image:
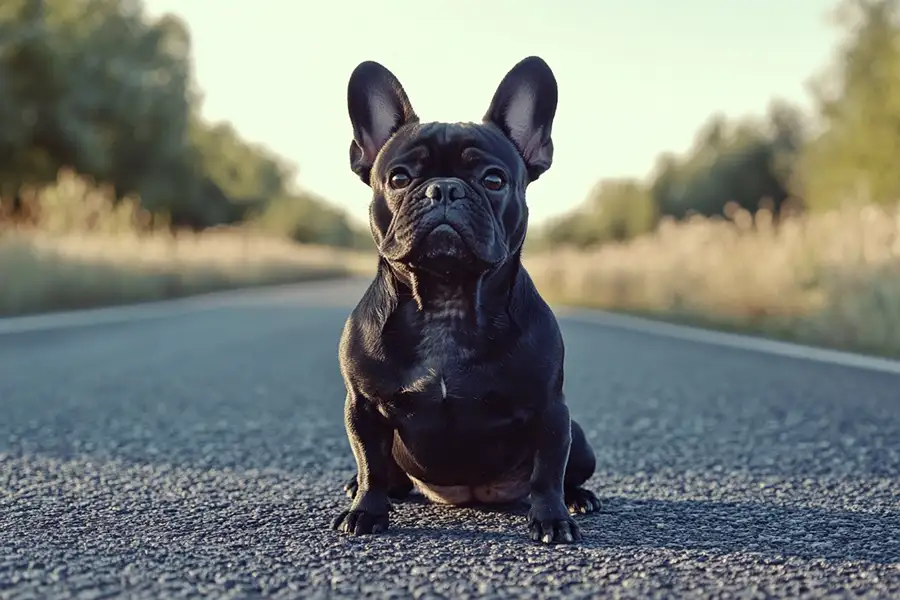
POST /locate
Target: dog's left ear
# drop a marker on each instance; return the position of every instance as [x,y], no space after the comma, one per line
[378,107]
[523,107]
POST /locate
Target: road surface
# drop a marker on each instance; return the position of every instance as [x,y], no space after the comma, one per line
[197,447]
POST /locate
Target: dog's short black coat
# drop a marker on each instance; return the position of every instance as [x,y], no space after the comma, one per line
[453,362]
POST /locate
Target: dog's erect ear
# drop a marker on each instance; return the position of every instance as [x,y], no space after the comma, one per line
[378,107]
[523,107]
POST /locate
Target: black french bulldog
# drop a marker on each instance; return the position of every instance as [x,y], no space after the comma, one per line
[453,362]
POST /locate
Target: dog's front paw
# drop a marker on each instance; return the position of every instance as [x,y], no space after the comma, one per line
[360,522]
[552,526]
[351,487]
[581,500]
[367,514]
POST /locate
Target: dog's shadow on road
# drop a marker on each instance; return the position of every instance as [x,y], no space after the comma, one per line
[769,530]
[711,528]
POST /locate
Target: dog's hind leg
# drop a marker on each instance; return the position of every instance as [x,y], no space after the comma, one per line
[579,469]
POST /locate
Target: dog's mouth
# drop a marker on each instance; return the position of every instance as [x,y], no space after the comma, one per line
[444,250]
[444,241]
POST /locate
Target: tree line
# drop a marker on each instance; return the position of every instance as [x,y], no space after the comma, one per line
[785,161]
[99,87]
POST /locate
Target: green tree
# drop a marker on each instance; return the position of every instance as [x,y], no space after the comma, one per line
[615,210]
[749,162]
[854,157]
[90,84]
[99,87]
[622,209]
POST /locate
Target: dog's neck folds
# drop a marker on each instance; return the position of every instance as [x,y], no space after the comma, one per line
[443,300]
[468,301]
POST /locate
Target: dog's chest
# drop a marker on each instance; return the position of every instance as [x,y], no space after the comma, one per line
[443,351]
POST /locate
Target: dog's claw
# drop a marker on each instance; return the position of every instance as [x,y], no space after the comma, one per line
[582,501]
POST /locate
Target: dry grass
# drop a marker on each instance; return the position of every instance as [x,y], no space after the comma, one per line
[830,280]
[41,273]
[84,253]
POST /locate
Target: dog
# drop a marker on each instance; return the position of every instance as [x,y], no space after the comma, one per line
[452,361]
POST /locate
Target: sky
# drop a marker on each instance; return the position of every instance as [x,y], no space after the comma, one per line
[635,78]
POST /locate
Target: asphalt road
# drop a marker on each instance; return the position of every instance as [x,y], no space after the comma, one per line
[198,447]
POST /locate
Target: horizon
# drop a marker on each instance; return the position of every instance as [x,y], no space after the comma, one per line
[731,60]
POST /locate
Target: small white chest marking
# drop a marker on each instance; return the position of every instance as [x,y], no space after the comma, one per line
[443,389]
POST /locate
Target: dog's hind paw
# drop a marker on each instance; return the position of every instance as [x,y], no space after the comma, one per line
[395,492]
[581,500]
[350,487]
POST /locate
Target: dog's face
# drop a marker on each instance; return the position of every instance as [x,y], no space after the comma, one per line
[449,198]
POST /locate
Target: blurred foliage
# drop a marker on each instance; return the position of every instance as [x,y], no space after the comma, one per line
[99,87]
[616,210]
[854,159]
[785,161]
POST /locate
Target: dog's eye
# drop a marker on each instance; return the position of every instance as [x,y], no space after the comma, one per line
[494,181]
[400,179]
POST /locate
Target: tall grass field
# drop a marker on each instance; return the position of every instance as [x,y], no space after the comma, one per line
[831,279]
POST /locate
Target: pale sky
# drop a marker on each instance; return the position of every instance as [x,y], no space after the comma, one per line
[635,78]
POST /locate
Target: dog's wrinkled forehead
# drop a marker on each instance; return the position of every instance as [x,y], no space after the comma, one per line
[443,149]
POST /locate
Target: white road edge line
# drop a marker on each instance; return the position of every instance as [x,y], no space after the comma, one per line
[299,291]
[158,309]
[730,340]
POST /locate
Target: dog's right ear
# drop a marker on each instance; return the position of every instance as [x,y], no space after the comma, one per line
[378,107]
[524,107]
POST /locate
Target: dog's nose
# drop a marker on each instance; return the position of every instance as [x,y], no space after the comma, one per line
[445,190]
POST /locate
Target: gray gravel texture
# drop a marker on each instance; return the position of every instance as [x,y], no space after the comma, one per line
[203,452]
